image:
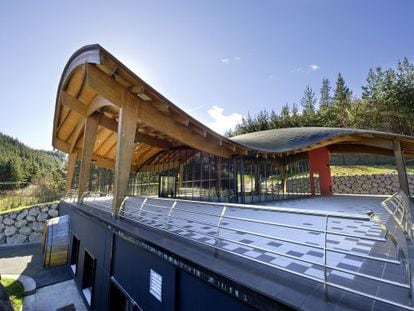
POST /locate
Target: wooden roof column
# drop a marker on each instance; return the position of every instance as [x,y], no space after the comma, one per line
[402,171]
[71,170]
[89,137]
[127,127]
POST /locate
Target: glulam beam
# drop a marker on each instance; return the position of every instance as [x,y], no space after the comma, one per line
[127,127]
[402,171]
[107,87]
[71,170]
[108,123]
[89,137]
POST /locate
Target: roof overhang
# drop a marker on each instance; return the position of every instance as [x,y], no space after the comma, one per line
[289,141]
[94,82]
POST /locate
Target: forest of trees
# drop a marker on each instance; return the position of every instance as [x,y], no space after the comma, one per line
[22,164]
[386,104]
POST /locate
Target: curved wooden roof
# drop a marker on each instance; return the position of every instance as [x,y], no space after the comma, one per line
[94,83]
[300,139]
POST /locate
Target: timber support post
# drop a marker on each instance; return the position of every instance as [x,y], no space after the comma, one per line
[283,177]
[127,127]
[71,170]
[401,169]
[180,177]
[218,177]
[89,137]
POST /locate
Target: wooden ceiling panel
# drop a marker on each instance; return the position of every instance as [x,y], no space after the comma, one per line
[76,81]
[67,128]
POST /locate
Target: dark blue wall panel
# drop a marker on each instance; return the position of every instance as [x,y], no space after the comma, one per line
[131,268]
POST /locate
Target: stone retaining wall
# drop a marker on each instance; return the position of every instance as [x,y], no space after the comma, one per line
[369,184]
[382,184]
[25,225]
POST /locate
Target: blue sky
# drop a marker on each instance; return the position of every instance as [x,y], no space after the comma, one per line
[217,60]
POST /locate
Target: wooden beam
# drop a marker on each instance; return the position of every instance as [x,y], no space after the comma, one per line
[127,127]
[159,167]
[376,142]
[107,163]
[71,170]
[110,124]
[98,103]
[61,145]
[89,137]
[402,171]
[152,141]
[353,148]
[104,85]
[113,91]
[76,134]
[74,104]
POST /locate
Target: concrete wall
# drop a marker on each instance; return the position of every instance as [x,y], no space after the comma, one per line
[25,225]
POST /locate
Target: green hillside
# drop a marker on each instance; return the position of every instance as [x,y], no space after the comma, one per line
[22,164]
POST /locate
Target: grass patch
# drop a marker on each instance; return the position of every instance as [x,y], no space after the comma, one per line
[15,290]
[347,170]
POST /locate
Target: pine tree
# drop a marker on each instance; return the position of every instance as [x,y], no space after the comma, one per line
[262,121]
[342,92]
[342,102]
[325,99]
[308,101]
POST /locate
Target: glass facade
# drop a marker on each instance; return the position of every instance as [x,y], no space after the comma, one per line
[204,177]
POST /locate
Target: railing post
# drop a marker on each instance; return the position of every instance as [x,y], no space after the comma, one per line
[142,206]
[325,272]
[121,208]
[82,197]
[408,279]
[223,211]
[170,212]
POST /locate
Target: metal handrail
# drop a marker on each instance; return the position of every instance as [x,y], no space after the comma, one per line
[401,203]
[310,212]
[71,194]
[217,237]
[165,225]
[282,239]
[276,224]
[92,195]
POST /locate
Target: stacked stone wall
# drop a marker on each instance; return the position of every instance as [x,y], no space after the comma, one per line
[25,225]
[383,184]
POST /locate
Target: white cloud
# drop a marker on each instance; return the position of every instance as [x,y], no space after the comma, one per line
[313,67]
[221,121]
[230,60]
[307,69]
